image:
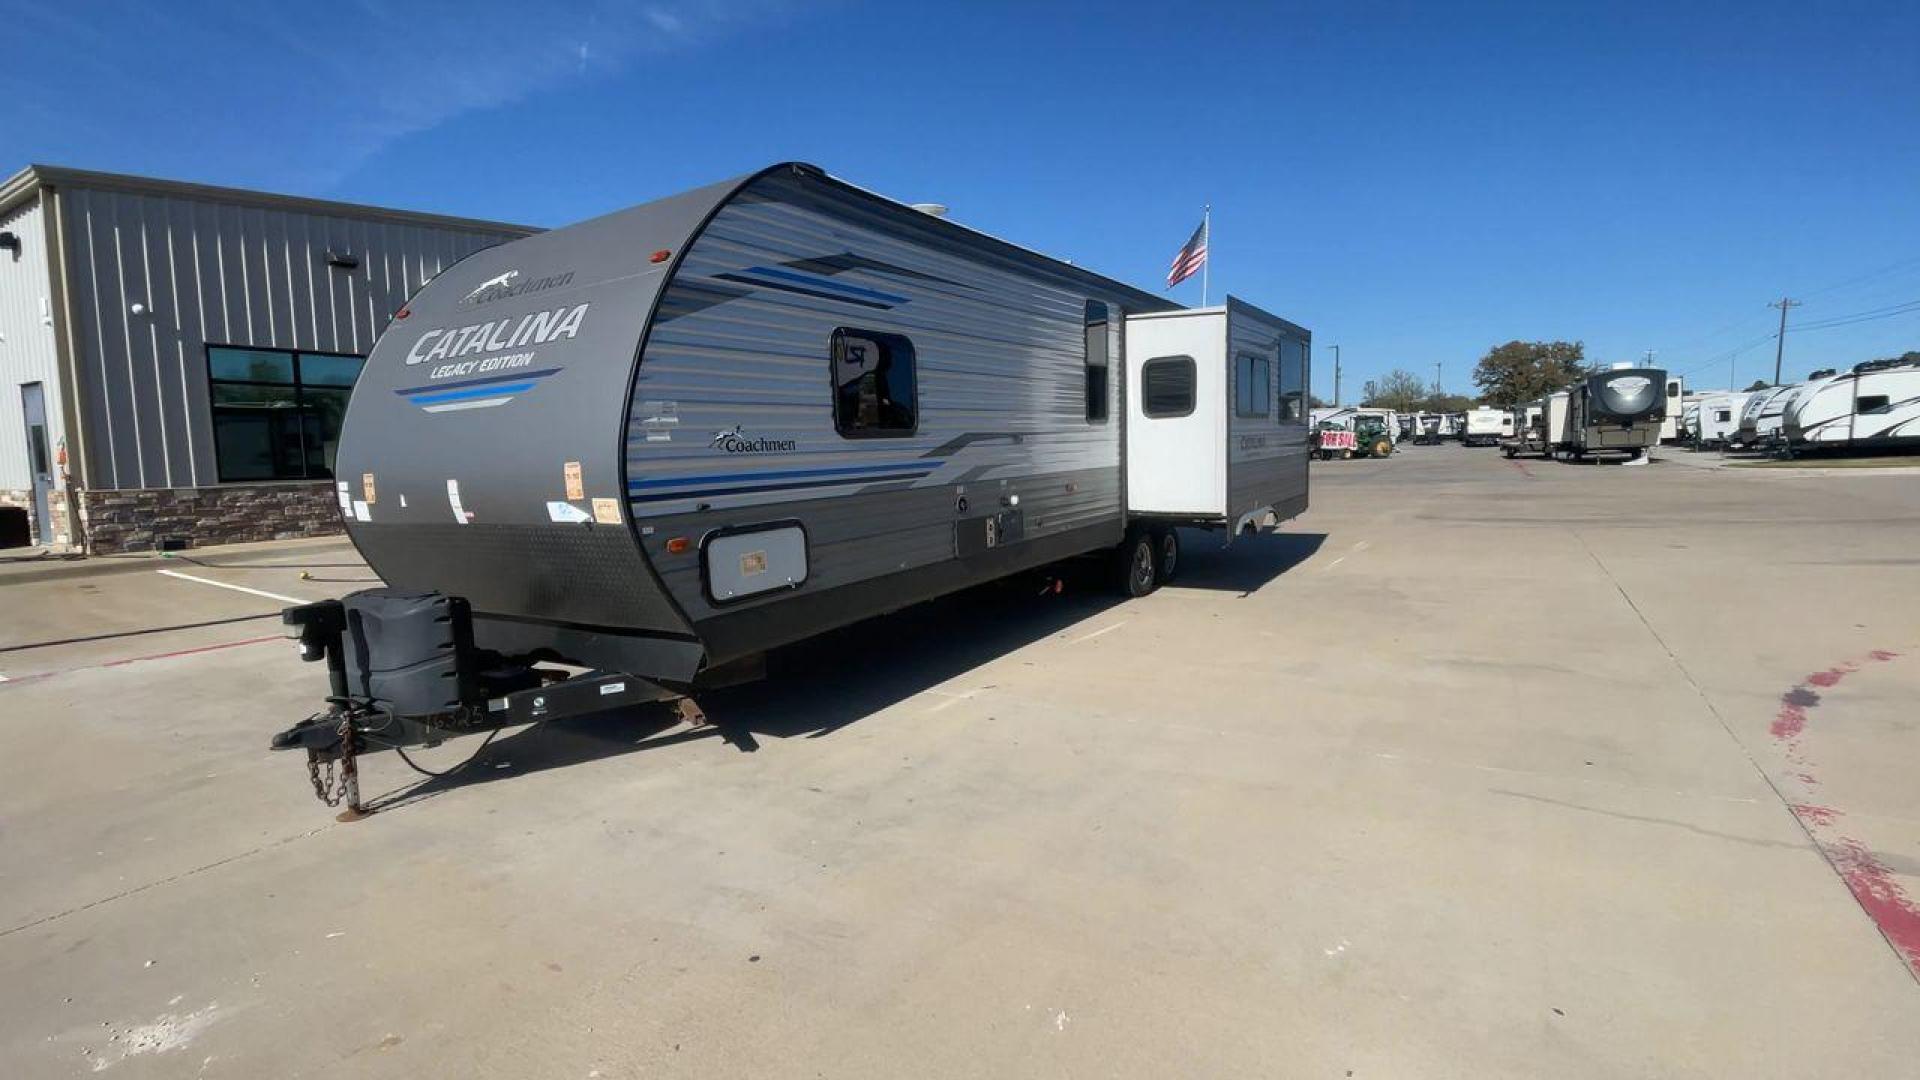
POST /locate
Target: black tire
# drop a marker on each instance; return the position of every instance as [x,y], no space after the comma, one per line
[1137,564]
[1508,451]
[1166,557]
[1382,447]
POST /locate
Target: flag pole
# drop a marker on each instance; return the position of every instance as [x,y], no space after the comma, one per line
[1206,264]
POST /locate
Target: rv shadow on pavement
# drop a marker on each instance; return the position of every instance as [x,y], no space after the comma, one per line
[807,691]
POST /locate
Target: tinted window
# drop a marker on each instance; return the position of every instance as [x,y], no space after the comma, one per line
[1166,386]
[873,384]
[1293,381]
[1872,403]
[1252,386]
[276,414]
[1096,361]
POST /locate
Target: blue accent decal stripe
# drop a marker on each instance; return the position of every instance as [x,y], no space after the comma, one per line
[774,474]
[825,283]
[704,493]
[517,376]
[478,391]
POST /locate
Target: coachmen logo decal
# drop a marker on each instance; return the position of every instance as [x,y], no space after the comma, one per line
[734,442]
[509,284]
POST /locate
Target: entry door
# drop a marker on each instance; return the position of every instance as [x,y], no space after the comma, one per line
[33,402]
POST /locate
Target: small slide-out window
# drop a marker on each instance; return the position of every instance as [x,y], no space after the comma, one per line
[1252,386]
[1096,361]
[1166,387]
[1293,381]
[1872,403]
[1723,416]
[874,389]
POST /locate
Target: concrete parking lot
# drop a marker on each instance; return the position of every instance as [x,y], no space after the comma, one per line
[1479,769]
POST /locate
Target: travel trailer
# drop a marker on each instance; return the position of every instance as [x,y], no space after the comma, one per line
[1718,420]
[1877,404]
[1762,416]
[1617,411]
[654,445]
[1486,427]
[1542,427]
[1676,396]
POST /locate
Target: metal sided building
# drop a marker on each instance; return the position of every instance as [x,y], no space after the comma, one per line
[175,358]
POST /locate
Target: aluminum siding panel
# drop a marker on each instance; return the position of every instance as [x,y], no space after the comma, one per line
[27,352]
[1266,458]
[999,356]
[213,272]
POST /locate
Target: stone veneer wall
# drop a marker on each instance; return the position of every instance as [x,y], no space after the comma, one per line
[135,519]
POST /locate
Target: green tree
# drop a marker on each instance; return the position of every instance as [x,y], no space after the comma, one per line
[1401,391]
[1446,403]
[1523,370]
[1758,384]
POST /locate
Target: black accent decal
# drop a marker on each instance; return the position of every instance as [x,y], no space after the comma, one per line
[958,443]
[691,297]
[829,265]
[806,292]
[702,493]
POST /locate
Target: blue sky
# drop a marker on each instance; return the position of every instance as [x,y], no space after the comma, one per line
[1415,182]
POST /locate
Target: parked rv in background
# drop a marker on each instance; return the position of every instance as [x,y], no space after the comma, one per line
[1486,427]
[1875,405]
[1717,423]
[1760,420]
[1618,411]
[1676,395]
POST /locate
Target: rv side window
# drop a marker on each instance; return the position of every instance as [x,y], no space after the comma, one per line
[1723,416]
[1293,381]
[873,384]
[1673,389]
[1166,387]
[1872,403]
[1096,362]
[1252,386]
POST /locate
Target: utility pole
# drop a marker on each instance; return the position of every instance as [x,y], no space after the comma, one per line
[1649,357]
[1436,378]
[1780,343]
[1336,375]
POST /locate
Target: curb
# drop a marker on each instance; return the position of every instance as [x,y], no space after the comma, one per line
[57,569]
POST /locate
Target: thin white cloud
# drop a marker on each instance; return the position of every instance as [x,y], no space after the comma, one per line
[309,94]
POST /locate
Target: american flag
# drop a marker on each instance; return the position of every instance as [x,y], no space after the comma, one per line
[1191,258]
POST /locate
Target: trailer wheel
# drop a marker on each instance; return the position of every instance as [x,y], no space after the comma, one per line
[1135,561]
[1508,451]
[1167,545]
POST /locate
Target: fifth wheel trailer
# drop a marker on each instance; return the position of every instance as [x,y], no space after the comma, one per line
[668,439]
[1617,411]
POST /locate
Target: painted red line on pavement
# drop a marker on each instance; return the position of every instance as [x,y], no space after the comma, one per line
[1881,895]
[189,652]
[1522,466]
[122,662]
[1874,887]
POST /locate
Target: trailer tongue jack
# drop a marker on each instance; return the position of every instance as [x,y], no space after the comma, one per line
[402,670]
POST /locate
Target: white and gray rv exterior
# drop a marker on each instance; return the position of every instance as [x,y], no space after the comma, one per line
[688,432]
[1877,404]
[1761,418]
[1617,411]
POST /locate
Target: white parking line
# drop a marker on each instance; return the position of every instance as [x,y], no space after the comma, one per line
[235,588]
[1097,633]
[1335,563]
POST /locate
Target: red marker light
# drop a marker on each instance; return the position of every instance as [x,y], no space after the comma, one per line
[402,313]
[660,256]
[678,544]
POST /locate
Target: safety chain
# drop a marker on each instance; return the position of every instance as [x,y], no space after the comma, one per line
[332,790]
